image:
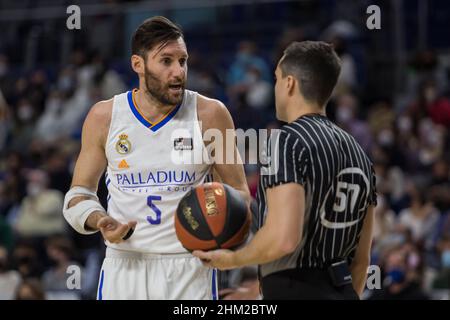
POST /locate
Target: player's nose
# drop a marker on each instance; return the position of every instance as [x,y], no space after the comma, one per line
[178,72]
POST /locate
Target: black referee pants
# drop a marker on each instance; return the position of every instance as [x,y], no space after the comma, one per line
[304,284]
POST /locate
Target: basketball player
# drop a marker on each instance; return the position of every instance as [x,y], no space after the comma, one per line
[316,211]
[134,136]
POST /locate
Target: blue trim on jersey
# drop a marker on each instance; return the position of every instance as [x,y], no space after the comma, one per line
[135,111]
[214,289]
[100,289]
[108,182]
[144,121]
[166,119]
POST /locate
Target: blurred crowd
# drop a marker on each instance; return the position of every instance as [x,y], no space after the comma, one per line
[406,136]
[40,121]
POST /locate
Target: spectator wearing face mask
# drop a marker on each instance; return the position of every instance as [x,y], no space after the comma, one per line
[259,92]
[9,279]
[248,77]
[347,118]
[246,57]
[40,211]
[22,132]
[384,226]
[421,217]
[401,267]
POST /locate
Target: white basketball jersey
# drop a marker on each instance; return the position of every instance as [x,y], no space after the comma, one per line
[146,177]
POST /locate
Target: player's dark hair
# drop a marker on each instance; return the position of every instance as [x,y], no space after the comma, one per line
[152,32]
[316,67]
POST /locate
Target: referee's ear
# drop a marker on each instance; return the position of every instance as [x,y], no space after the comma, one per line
[291,84]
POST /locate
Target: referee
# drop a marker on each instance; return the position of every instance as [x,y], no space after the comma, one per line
[316,203]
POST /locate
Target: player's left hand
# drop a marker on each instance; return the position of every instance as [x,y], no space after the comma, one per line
[221,259]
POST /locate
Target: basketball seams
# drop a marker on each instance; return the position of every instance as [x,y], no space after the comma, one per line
[230,224]
[212,216]
[239,236]
[203,233]
[191,242]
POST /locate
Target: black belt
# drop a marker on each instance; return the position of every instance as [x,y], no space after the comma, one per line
[337,271]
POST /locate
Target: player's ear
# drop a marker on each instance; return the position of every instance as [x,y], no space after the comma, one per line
[138,64]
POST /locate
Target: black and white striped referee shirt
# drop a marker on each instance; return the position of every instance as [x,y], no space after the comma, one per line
[339,184]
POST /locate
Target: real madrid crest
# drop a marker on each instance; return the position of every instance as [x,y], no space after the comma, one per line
[123,146]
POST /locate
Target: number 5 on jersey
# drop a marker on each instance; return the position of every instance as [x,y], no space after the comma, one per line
[155,209]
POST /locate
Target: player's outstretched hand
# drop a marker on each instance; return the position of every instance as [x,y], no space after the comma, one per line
[114,231]
[221,259]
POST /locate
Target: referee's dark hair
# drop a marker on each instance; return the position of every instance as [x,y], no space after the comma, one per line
[316,67]
[152,32]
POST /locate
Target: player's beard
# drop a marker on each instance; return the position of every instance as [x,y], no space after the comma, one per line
[160,91]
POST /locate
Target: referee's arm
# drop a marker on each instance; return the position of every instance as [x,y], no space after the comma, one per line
[279,236]
[361,260]
[282,230]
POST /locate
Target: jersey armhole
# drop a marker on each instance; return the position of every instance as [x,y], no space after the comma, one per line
[199,130]
[113,115]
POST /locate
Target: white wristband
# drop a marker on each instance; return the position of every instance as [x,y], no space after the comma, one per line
[77,215]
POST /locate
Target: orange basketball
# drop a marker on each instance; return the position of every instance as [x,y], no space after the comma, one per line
[212,216]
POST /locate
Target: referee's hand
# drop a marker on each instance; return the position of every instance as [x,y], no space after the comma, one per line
[221,259]
[114,231]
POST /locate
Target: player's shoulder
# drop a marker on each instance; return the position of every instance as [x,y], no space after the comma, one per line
[100,114]
[102,110]
[210,107]
[98,119]
[212,112]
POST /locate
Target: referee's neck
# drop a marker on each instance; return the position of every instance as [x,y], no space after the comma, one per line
[301,108]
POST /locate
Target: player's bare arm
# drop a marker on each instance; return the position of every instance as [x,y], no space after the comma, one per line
[279,236]
[361,260]
[90,165]
[91,162]
[214,115]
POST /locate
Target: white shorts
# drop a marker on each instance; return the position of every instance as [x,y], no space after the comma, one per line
[127,275]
